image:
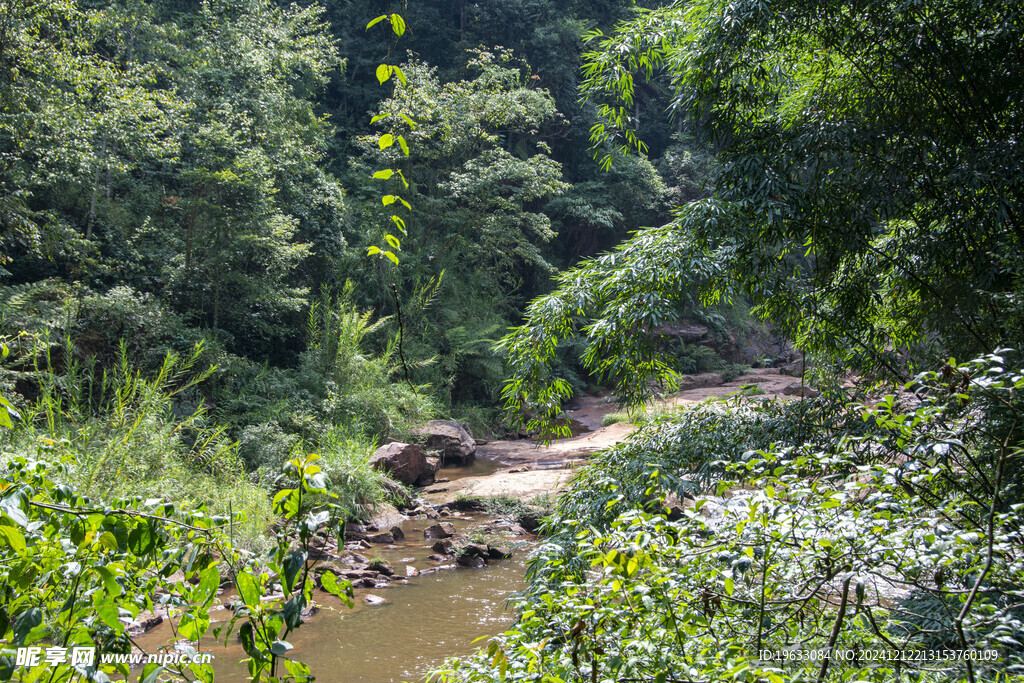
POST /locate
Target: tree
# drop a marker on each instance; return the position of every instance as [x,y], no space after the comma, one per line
[77,105]
[868,186]
[479,174]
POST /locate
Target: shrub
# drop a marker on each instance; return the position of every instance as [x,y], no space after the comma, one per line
[912,499]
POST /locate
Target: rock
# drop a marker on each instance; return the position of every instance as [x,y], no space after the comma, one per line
[403,461]
[700,381]
[411,570]
[794,369]
[385,516]
[471,561]
[798,389]
[686,332]
[713,512]
[321,554]
[530,519]
[435,558]
[441,530]
[357,574]
[398,493]
[382,567]
[443,547]
[384,537]
[498,552]
[469,504]
[430,468]
[479,549]
[397,533]
[374,600]
[145,622]
[452,439]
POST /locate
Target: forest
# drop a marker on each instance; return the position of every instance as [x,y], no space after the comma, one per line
[247,244]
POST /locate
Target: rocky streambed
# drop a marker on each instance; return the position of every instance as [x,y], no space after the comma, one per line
[433,578]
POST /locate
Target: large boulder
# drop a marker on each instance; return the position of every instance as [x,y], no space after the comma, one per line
[456,445]
[403,461]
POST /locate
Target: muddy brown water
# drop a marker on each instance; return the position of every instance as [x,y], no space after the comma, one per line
[430,618]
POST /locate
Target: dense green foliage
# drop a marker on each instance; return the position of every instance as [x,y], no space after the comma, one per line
[77,571]
[867,201]
[837,533]
[867,190]
[236,233]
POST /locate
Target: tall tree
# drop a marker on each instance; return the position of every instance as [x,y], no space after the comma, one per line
[868,195]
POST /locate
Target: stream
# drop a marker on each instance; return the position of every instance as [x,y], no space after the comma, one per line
[433,610]
[427,618]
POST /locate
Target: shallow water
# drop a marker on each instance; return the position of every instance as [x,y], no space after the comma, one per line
[480,467]
[430,618]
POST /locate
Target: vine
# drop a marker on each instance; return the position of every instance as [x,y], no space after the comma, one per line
[386,72]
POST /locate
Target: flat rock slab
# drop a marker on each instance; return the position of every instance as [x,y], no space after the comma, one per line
[524,485]
[527,452]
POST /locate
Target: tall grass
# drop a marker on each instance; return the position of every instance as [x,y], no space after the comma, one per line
[123,434]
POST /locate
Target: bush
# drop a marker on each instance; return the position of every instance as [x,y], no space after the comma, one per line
[890,527]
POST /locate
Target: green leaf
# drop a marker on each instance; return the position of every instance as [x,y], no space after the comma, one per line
[400,75]
[397,220]
[391,255]
[209,581]
[375,21]
[386,141]
[370,251]
[203,672]
[109,581]
[403,144]
[25,622]
[108,614]
[151,673]
[297,669]
[247,638]
[286,503]
[248,589]
[141,540]
[384,175]
[393,241]
[292,610]
[280,647]
[729,586]
[108,541]
[398,24]
[12,537]
[193,625]
[342,589]
[383,73]
[292,566]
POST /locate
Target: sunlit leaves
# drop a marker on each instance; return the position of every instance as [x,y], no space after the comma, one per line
[395,20]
